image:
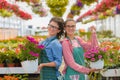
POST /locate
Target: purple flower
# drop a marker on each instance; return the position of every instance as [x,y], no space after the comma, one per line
[118,9]
[79,4]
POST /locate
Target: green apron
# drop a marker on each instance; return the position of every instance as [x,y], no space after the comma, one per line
[46,73]
[78,55]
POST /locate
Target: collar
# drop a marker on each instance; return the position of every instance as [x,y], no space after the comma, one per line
[51,38]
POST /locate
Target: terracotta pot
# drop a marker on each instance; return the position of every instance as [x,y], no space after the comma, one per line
[10,64]
[17,65]
[1,65]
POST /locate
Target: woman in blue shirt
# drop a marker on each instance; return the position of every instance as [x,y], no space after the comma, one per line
[51,56]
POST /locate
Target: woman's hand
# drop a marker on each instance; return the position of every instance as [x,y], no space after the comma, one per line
[39,68]
[94,70]
[92,29]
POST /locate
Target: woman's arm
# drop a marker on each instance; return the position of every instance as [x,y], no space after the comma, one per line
[50,64]
[93,41]
[55,56]
[69,60]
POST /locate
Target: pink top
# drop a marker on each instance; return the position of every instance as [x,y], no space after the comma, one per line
[67,53]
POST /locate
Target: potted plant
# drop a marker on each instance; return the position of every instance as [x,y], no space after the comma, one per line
[10,58]
[95,56]
[2,59]
[29,52]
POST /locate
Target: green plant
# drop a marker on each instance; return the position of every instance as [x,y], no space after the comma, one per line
[2,57]
[57,7]
[105,33]
[30,49]
[113,58]
[95,54]
[88,2]
[10,56]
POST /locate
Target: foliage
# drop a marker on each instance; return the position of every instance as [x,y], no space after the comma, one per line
[10,56]
[57,7]
[8,8]
[105,33]
[5,13]
[2,57]
[30,1]
[30,49]
[56,3]
[9,78]
[85,34]
[113,57]
[14,77]
[39,9]
[58,11]
[75,10]
[95,54]
[95,76]
[113,52]
[87,2]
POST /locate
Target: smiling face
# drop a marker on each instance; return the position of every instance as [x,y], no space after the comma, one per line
[53,28]
[70,27]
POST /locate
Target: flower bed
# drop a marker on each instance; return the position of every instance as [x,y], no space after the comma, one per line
[10,51]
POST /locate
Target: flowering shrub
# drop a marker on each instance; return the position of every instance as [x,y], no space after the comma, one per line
[95,54]
[15,77]
[9,78]
[113,51]
[11,8]
[30,49]
[40,10]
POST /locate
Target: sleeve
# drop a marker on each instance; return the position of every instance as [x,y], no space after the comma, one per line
[57,53]
[91,44]
[69,60]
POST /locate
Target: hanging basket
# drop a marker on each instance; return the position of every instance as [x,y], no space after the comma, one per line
[98,64]
[30,65]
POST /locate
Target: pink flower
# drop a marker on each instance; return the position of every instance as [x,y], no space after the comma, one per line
[40,46]
[95,54]
[92,55]
[111,60]
[92,59]
[34,54]
[99,56]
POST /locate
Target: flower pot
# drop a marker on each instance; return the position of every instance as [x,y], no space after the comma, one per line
[1,65]
[10,64]
[98,64]
[30,65]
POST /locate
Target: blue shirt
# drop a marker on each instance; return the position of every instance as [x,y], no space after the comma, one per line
[53,50]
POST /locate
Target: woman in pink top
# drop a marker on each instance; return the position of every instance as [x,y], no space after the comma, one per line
[73,52]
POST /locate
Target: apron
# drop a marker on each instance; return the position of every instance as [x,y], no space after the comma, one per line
[78,55]
[46,73]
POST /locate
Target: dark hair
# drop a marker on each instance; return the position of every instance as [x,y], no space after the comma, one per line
[68,19]
[60,23]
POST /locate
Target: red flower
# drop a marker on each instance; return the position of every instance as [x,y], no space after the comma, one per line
[14,7]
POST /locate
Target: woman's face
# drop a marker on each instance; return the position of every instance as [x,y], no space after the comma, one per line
[70,27]
[53,28]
